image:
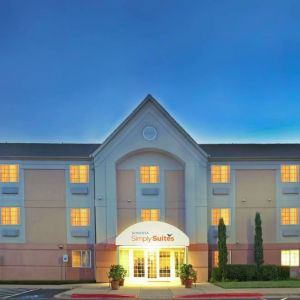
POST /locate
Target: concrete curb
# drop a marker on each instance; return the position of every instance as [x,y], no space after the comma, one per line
[220,295]
[191,296]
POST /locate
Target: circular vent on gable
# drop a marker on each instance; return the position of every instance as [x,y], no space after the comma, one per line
[149,133]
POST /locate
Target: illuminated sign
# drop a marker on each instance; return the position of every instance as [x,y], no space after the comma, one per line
[152,233]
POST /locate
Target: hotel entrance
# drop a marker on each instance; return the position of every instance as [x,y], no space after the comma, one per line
[152,251]
[152,264]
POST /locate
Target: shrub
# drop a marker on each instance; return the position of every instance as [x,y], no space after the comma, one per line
[241,272]
[250,273]
[283,272]
[216,275]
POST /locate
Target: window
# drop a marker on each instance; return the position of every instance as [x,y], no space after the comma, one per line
[10,216]
[220,174]
[150,215]
[290,258]
[289,173]
[289,216]
[79,174]
[124,260]
[218,213]
[80,216]
[81,259]
[9,173]
[149,174]
[215,258]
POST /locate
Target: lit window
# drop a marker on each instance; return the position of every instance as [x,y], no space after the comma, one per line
[79,174]
[10,216]
[290,258]
[220,174]
[289,173]
[80,216]
[149,174]
[81,259]
[9,173]
[289,216]
[218,213]
[150,214]
[215,258]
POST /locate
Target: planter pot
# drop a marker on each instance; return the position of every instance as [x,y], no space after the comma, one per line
[188,283]
[182,281]
[121,282]
[114,284]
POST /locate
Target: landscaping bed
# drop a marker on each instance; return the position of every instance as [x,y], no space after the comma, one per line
[292,283]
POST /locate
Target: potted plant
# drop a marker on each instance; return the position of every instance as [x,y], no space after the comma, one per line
[188,275]
[123,274]
[181,273]
[114,276]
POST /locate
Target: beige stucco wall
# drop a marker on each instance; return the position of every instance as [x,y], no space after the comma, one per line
[255,192]
[45,206]
[174,195]
[40,262]
[126,191]
[105,257]
[198,257]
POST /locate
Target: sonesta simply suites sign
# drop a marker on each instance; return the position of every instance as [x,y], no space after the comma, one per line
[152,233]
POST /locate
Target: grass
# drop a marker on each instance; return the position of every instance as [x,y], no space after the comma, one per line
[294,283]
[45,282]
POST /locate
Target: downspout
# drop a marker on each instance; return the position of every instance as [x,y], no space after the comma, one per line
[95,235]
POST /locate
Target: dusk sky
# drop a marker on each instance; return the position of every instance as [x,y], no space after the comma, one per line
[228,71]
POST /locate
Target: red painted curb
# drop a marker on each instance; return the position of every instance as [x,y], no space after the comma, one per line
[94,296]
[228,295]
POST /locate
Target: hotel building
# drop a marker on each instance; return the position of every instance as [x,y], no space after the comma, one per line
[149,198]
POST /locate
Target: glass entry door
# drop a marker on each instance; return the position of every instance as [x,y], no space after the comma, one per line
[138,263]
[152,264]
[164,263]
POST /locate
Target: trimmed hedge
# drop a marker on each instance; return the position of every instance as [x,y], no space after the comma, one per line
[251,273]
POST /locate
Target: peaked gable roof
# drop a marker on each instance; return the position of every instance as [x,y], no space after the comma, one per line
[149,99]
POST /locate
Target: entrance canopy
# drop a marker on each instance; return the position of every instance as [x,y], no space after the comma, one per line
[152,234]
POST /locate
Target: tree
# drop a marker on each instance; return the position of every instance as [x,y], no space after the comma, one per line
[222,248]
[258,242]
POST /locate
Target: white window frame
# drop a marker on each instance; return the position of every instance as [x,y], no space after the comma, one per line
[90,260]
[289,253]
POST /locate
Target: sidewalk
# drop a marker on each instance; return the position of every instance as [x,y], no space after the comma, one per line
[164,292]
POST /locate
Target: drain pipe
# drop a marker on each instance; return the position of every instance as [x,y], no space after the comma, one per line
[95,226]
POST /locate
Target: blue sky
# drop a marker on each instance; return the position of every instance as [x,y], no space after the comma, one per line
[228,71]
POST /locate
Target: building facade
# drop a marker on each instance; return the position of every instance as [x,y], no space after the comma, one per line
[149,198]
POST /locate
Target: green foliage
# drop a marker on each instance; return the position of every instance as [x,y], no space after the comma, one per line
[222,248]
[258,243]
[249,273]
[116,272]
[290,283]
[242,272]
[186,271]
[215,275]
[284,272]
